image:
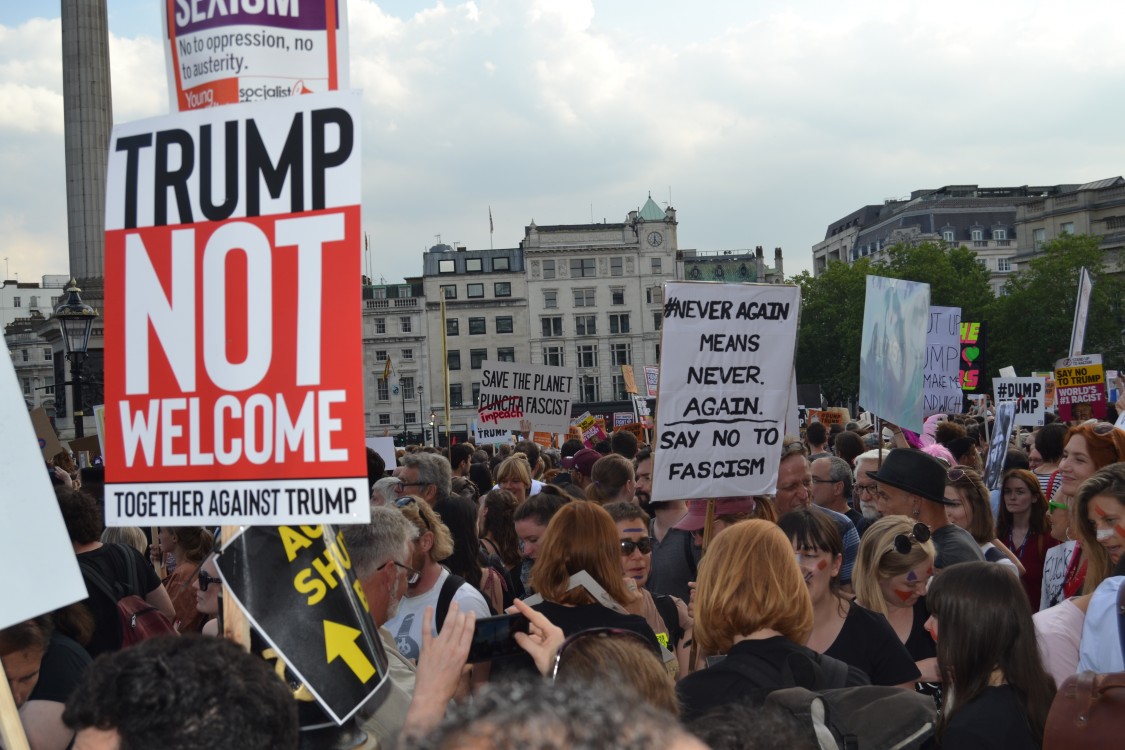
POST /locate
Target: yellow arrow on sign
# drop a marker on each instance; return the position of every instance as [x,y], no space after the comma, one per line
[340,641]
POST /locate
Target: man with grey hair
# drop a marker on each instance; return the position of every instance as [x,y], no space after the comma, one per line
[425,475]
[383,491]
[863,491]
[379,552]
[832,488]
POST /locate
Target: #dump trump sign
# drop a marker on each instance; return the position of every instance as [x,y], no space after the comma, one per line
[233,373]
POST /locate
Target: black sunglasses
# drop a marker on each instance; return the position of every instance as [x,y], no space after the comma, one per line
[402,502]
[599,633]
[644,545]
[1104,428]
[903,542]
[206,580]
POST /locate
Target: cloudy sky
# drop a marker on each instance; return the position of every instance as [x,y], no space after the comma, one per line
[763,120]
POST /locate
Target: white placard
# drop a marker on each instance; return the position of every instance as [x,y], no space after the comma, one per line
[726,380]
[385,447]
[490,435]
[941,376]
[1028,394]
[524,397]
[43,572]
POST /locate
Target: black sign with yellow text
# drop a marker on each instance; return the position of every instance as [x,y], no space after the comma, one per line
[297,587]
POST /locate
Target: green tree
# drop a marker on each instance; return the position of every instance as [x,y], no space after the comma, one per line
[831,327]
[1031,321]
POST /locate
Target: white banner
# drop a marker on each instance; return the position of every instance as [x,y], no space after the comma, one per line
[726,375]
[941,376]
[1029,396]
[490,435]
[254,50]
[1081,311]
[525,397]
[892,354]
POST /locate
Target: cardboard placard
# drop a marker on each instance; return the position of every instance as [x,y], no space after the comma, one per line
[45,436]
[1028,394]
[1080,388]
[513,394]
[942,372]
[726,379]
[998,443]
[893,353]
[233,357]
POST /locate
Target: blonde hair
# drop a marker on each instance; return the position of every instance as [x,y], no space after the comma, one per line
[748,581]
[130,536]
[425,519]
[616,660]
[580,536]
[878,560]
[515,467]
[608,476]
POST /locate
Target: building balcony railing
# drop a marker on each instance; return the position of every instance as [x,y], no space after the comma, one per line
[398,303]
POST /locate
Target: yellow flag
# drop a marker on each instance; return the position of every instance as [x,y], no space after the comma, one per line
[387,369]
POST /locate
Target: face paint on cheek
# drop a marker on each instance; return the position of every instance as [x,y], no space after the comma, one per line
[1098,509]
[1119,529]
[822,565]
[911,578]
[904,595]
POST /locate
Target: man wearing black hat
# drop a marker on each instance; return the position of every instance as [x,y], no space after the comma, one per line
[912,483]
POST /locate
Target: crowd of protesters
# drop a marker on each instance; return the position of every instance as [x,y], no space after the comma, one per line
[882,562]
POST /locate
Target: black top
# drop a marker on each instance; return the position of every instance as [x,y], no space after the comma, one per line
[921,646]
[954,545]
[995,719]
[868,641]
[675,561]
[701,691]
[586,616]
[109,561]
[62,666]
[857,520]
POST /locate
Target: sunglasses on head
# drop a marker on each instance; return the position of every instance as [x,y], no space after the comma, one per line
[599,633]
[644,545]
[956,474]
[1104,428]
[791,448]
[903,542]
[206,580]
[403,502]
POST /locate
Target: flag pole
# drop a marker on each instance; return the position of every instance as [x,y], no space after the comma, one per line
[445,365]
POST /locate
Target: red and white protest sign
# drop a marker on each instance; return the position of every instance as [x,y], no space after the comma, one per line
[233,372]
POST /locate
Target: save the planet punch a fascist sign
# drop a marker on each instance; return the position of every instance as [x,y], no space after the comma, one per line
[725,373]
[233,372]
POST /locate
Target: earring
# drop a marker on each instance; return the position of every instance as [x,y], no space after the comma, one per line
[916,511]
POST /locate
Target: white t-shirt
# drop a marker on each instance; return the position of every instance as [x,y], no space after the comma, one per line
[406,626]
[1101,647]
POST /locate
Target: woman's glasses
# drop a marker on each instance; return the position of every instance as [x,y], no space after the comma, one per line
[628,546]
[599,633]
[903,542]
[206,580]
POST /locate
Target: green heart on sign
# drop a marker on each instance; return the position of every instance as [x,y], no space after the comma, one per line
[970,353]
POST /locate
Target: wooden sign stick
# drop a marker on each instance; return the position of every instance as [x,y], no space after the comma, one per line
[11,728]
[236,627]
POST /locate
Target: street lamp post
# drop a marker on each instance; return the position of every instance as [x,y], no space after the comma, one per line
[76,320]
[422,410]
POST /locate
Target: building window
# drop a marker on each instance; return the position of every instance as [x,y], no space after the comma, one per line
[1040,236]
[999,234]
[474,291]
[977,235]
[380,325]
[385,419]
[584,297]
[411,417]
[552,326]
[500,264]
[408,388]
[619,393]
[476,393]
[621,354]
[17,303]
[449,290]
[447,266]
[26,355]
[474,265]
[553,355]
[477,358]
[619,323]
[407,354]
[404,324]
[588,388]
[378,292]
[1067,227]
[947,235]
[1003,264]
[502,289]
[550,298]
[504,324]
[583,267]
[382,392]
[654,295]
[455,395]
[477,327]
[453,359]
[506,354]
[588,355]
[48,355]
[657,320]
[617,296]
[34,301]
[656,265]
[548,269]
[452,326]
[380,355]
[585,325]
[617,266]
[658,352]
